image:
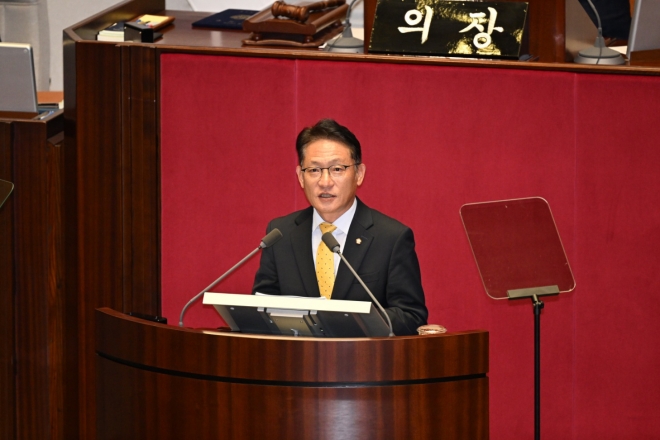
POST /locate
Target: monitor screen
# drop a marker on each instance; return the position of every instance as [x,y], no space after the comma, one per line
[645,27]
[18,90]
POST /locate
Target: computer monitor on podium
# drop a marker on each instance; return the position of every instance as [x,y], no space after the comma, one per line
[296,316]
[18,90]
[645,26]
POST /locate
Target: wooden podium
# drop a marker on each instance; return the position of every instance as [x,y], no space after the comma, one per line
[157,381]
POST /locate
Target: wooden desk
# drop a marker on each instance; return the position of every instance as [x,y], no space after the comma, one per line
[163,382]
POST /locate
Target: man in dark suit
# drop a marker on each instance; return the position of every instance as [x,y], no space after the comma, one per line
[380,249]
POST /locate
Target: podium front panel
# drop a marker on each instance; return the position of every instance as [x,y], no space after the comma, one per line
[158,381]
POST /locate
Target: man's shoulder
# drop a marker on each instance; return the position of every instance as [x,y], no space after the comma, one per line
[379,217]
[291,220]
[380,220]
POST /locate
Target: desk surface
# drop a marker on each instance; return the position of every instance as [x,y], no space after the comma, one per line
[181,36]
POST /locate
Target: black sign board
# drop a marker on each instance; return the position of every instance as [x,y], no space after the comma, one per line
[450,28]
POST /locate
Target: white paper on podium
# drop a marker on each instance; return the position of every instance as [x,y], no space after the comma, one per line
[286,302]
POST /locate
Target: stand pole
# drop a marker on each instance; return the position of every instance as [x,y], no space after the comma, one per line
[538,305]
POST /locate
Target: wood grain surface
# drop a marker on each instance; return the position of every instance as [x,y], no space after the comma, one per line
[159,381]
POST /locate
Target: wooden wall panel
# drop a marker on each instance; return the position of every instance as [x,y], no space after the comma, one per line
[547,30]
[31,305]
[35,342]
[98,203]
[116,198]
[7,287]
[141,180]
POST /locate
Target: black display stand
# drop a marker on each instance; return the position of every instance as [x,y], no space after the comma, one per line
[519,255]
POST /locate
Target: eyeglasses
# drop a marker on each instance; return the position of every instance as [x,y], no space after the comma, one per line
[335,171]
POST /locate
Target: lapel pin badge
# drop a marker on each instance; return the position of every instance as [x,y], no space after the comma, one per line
[358,241]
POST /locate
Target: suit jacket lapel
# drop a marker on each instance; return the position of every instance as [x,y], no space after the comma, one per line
[353,251]
[301,241]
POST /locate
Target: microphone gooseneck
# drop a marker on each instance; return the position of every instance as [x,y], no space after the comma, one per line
[334,246]
[347,43]
[270,239]
[599,53]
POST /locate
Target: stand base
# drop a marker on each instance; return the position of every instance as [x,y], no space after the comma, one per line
[600,55]
[346,45]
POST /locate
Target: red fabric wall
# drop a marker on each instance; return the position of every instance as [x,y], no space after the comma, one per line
[435,138]
[617,229]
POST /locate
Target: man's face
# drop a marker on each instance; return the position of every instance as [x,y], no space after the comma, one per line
[331,196]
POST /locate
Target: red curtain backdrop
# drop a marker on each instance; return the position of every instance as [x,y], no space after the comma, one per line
[435,138]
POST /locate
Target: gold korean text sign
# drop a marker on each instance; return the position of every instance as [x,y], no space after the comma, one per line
[450,28]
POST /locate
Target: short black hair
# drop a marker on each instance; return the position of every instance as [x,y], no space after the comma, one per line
[328,129]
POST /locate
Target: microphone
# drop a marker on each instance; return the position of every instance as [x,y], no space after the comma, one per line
[347,43]
[599,53]
[333,245]
[270,239]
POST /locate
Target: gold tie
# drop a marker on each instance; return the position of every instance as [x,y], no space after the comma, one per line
[325,264]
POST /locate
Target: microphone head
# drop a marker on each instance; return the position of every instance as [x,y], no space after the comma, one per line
[271,238]
[331,242]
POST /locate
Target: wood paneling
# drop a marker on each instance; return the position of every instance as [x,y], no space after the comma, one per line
[283,359]
[7,287]
[116,198]
[148,405]
[157,381]
[31,305]
[99,202]
[39,404]
[141,181]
